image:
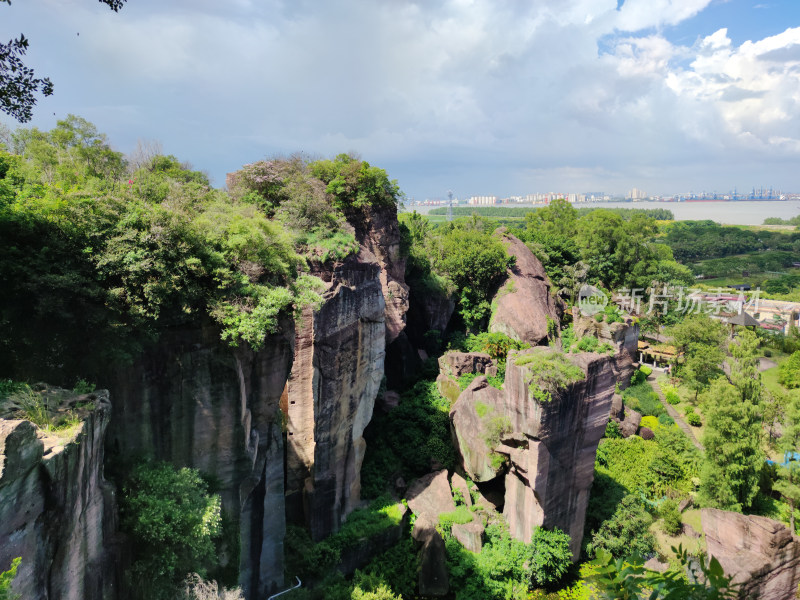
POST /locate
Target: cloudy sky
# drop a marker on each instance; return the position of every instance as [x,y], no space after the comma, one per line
[478,96]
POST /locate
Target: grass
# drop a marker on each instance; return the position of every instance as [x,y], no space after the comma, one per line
[548,372]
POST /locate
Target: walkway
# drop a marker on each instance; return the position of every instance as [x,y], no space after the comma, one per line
[687,429]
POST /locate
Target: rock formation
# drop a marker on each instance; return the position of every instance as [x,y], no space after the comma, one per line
[761,554]
[523,304]
[543,449]
[195,402]
[453,365]
[56,509]
[338,367]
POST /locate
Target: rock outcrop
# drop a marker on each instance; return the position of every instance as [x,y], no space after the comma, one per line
[762,554]
[524,306]
[193,401]
[56,509]
[453,365]
[543,449]
[428,497]
[338,367]
[379,236]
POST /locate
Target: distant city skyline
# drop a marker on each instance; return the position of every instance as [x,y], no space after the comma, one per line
[482,97]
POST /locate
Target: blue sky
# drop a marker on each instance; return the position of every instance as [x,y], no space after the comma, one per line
[478,96]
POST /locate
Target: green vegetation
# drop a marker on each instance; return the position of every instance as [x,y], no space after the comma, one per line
[507,568]
[641,398]
[548,372]
[173,522]
[671,516]
[627,532]
[308,559]
[789,371]
[6,579]
[408,439]
[705,239]
[627,579]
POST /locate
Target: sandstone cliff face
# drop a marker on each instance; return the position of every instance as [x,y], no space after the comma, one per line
[56,510]
[761,554]
[339,361]
[549,447]
[195,402]
[523,304]
[379,237]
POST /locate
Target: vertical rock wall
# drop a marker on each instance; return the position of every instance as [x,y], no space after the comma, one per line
[550,446]
[339,361]
[56,509]
[193,401]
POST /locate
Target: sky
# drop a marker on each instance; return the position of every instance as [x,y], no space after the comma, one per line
[500,97]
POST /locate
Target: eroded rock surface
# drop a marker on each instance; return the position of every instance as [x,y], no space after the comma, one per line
[524,305]
[56,509]
[761,553]
[549,446]
[193,401]
[340,351]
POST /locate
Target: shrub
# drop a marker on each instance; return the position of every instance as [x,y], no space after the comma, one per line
[672,396]
[645,370]
[551,556]
[6,578]
[548,372]
[789,371]
[460,515]
[650,422]
[669,512]
[626,532]
[613,431]
[641,398]
[496,345]
[172,521]
[693,419]
[665,420]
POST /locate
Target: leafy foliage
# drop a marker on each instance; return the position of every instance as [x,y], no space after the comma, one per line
[732,440]
[172,521]
[626,532]
[507,568]
[627,579]
[406,441]
[547,372]
[789,371]
[6,578]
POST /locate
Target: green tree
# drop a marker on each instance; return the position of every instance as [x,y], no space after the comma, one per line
[788,486]
[789,371]
[699,339]
[474,261]
[7,578]
[551,557]
[626,532]
[173,521]
[733,455]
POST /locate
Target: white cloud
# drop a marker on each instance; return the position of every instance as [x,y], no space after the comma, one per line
[495,93]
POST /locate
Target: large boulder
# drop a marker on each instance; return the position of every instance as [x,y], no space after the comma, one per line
[453,365]
[524,303]
[430,496]
[470,535]
[761,554]
[630,425]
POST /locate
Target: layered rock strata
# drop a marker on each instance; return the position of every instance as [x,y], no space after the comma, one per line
[193,401]
[56,509]
[544,450]
[338,367]
[761,554]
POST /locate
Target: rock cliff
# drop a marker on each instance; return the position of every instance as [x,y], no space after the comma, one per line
[338,367]
[195,402]
[542,449]
[761,554]
[56,509]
